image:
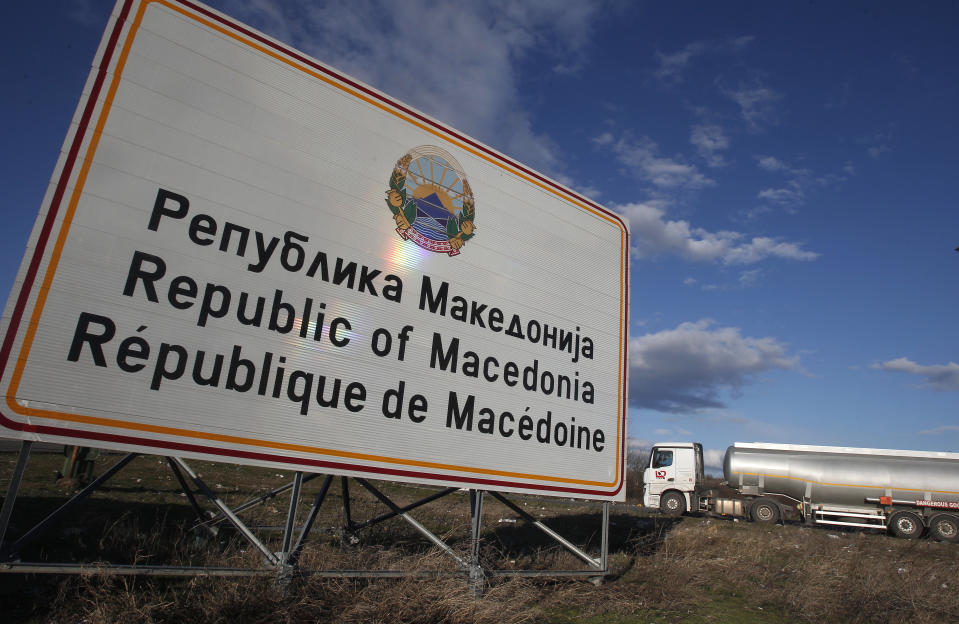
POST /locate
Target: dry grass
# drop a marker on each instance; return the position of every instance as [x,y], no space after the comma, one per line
[691,570]
[808,574]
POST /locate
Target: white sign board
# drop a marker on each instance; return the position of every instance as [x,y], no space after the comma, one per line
[247,256]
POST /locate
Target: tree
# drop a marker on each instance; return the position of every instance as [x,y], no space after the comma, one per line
[637,459]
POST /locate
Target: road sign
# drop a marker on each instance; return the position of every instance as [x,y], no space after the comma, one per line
[246,255]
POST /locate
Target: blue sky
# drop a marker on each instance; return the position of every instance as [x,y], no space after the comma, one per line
[788,171]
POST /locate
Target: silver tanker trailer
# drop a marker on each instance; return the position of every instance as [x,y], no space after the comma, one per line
[904,492]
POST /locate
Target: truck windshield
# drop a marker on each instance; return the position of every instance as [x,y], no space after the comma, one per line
[661,459]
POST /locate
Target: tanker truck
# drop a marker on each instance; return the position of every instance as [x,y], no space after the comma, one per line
[906,493]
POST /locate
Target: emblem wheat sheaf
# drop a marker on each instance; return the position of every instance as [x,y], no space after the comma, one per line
[431,200]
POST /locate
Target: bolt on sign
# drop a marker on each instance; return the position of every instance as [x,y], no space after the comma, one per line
[248,256]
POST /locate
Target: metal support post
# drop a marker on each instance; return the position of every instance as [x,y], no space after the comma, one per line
[477,580]
[416,525]
[345,490]
[285,569]
[212,530]
[12,490]
[44,524]
[545,529]
[291,517]
[476,515]
[604,546]
[310,519]
[242,528]
[604,557]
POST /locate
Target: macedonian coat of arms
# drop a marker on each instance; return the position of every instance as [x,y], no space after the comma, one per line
[431,200]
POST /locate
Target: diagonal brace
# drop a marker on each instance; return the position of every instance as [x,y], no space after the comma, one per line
[545,529]
[416,525]
[291,518]
[294,557]
[13,489]
[44,524]
[256,501]
[242,528]
[212,530]
[404,509]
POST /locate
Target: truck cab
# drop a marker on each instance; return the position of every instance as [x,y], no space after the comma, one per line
[674,477]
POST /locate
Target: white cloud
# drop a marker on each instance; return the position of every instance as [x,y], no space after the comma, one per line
[714,458]
[799,181]
[878,143]
[687,369]
[87,12]
[672,66]
[762,247]
[756,104]
[792,196]
[737,43]
[642,159]
[942,377]
[746,279]
[710,141]
[771,163]
[653,235]
[749,278]
[941,430]
[638,444]
[456,61]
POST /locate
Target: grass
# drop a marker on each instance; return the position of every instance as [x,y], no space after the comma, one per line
[696,569]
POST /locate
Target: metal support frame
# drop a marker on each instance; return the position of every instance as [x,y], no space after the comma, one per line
[284,564]
[477,578]
[234,519]
[439,543]
[219,517]
[310,519]
[291,517]
[410,507]
[7,511]
[212,530]
[345,495]
[596,563]
[43,525]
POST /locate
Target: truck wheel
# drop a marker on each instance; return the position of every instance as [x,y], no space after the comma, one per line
[765,510]
[672,504]
[905,524]
[944,528]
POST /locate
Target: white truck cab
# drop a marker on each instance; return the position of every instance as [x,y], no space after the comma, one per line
[674,476]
